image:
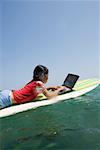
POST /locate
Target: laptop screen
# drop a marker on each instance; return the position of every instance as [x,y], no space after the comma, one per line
[70,80]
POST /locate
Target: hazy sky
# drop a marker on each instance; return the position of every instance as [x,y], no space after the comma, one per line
[62,35]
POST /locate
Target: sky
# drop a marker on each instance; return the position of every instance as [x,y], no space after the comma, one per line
[62,35]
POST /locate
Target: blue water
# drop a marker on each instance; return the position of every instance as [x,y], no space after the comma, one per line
[69,125]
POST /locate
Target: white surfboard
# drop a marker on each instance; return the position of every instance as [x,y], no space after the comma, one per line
[80,88]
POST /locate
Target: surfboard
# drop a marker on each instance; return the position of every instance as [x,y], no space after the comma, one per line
[81,88]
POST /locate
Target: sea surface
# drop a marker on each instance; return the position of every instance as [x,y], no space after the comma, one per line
[72,124]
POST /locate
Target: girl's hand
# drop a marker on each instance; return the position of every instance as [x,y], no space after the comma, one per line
[60,88]
[53,88]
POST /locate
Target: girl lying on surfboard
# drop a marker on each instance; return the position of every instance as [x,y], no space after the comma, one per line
[31,90]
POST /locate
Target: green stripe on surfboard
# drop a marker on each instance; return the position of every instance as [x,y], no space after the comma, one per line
[85,84]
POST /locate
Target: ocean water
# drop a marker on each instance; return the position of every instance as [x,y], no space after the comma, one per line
[69,125]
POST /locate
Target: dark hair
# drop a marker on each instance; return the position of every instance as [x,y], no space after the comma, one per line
[39,72]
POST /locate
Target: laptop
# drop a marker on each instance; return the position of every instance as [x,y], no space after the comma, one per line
[69,83]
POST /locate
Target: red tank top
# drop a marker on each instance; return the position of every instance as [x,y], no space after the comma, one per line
[28,92]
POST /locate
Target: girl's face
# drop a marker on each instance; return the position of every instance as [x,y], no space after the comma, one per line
[45,78]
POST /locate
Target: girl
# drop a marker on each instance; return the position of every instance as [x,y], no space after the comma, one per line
[31,90]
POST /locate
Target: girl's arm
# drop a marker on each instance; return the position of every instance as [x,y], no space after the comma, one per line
[53,93]
[50,94]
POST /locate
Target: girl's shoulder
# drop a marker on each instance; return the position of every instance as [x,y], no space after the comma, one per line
[36,83]
[39,83]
